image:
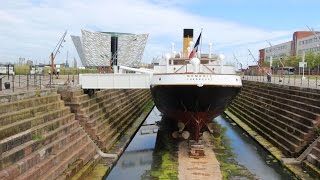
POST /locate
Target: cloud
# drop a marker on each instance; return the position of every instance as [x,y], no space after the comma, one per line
[32,28]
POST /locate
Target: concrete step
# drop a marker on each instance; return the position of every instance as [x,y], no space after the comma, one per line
[303,92]
[305,117]
[289,123]
[274,124]
[107,143]
[113,125]
[246,119]
[19,96]
[87,161]
[20,126]
[284,98]
[76,106]
[70,158]
[267,132]
[111,99]
[15,116]
[316,151]
[88,109]
[80,98]
[112,111]
[116,112]
[111,92]
[48,165]
[68,94]
[33,133]
[100,128]
[49,142]
[26,103]
[120,125]
[311,158]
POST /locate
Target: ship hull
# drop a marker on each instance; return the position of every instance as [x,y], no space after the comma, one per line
[192,105]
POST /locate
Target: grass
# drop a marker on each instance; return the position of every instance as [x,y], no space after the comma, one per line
[37,137]
[25,69]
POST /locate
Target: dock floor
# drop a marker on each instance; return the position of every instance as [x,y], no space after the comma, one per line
[198,167]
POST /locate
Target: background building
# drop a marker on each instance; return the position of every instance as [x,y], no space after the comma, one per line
[108,48]
[301,41]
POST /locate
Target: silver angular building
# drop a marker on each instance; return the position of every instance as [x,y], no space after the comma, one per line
[109,48]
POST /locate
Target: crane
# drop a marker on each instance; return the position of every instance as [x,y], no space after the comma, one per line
[56,50]
[235,58]
[254,59]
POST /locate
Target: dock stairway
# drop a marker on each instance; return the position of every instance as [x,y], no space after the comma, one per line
[108,113]
[286,117]
[40,139]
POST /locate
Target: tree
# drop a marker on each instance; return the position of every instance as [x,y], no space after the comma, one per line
[310,59]
[293,61]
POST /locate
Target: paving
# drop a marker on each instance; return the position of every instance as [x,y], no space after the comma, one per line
[24,83]
[198,161]
[292,80]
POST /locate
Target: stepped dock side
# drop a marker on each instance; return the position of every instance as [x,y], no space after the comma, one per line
[40,138]
[287,117]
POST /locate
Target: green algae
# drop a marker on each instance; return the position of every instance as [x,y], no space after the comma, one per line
[230,169]
[165,155]
[168,168]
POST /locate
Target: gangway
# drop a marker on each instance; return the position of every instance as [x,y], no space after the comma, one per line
[123,78]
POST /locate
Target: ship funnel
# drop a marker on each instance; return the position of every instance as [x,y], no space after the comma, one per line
[187,37]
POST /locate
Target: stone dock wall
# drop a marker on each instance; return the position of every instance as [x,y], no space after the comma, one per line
[52,134]
[286,117]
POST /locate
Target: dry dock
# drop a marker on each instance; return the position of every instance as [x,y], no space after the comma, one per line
[198,161]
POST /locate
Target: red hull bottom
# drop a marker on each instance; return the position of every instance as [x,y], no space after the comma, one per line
[195,122]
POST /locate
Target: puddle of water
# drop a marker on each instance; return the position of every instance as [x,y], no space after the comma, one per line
[138,157]
[251,155]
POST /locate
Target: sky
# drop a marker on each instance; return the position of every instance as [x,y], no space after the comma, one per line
[32,28]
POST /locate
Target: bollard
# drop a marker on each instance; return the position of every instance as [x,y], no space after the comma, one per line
[0,83]
[73,79]
[316,82]
[19,80]
[308,80]
[12,83]
[27,81]
[50,79]
[40,81]
[294,81]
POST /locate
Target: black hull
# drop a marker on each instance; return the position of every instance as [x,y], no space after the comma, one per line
[194,106]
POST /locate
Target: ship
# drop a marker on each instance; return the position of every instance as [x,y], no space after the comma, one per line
[191,88]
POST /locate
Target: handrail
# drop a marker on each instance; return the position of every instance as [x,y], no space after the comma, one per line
[208,68]
[180,68]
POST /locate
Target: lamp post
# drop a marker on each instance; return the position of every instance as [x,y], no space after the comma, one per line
[303,59]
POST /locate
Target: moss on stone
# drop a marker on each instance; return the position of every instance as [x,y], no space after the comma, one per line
[168,168]
[230,169]
[99,171]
